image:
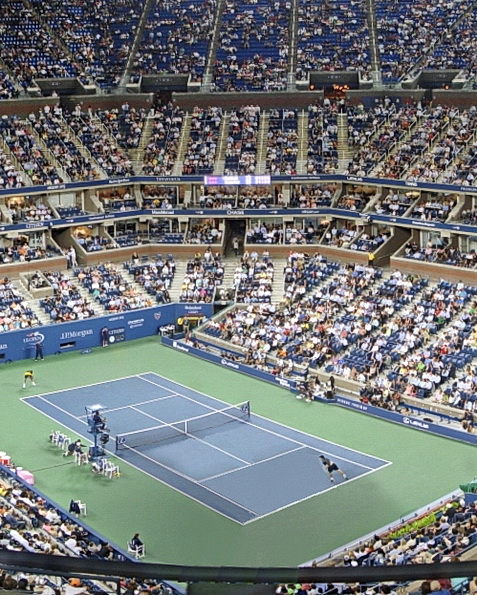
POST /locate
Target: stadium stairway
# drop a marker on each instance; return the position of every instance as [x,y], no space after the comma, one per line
[185,135]
[137,155]
[278,285]
[230,264]
[176,287]
[301,158]
[262,143]
[344,153]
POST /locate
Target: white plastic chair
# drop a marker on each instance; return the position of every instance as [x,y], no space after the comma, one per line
[66,442]
[111,470]
[81,508]
[138,551]
[81,458]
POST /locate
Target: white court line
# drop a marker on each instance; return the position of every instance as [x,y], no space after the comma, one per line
[68,390]
[333,486]
[250,465]
[173,382]
[174,471]
[194,481]
[185,434]
[340,446]
[203,503]
[171,396]
[332,455]
[54,419]
[184,396]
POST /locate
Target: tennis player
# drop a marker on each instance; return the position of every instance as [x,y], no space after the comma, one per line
[29,377]
[332,467]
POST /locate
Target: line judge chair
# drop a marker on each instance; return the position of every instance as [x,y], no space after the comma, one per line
[138,551]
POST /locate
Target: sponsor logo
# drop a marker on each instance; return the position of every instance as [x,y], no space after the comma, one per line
[414,184]
[157,315]
[415,422]
[113,318]
[116,331]
[242,212]
[193,309]
[310,211]
[352,404]
[34,225]
[34,337]
[179,346]
[225,362]
[354,179]
[423,224]
[162,211]
[135,323]
[76,334]
[3,346]
[283,382]
[119,181]
[56,187]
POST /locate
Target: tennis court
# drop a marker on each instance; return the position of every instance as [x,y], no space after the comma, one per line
[227,458]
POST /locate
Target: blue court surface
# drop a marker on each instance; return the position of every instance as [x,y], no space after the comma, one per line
[243,470]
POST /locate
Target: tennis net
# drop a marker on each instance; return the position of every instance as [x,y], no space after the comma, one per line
[187,427]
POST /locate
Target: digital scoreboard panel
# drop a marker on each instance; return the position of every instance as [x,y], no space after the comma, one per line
[237,180]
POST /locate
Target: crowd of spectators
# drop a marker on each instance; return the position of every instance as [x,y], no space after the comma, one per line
[310,196]
[7,87]
[241,149]
[203,231]
[253,279]
[159,197]
[10,176]
[355,198]
[117,199]
[99,35]
[399,163]
[176,38]
[156,277]
[332,36]
[441,254]
[395,203]
[162,147]
[204,273]
[253,46]
[30,209]
[458,132]
[50,127]
[28,49]
[322,155]
[111,289]
[19,250]
[67,303]
[104,149]
[407,33]
[125,124]
[398,121]
[265,233]
[303,329]
[15,313]
[22,143]
[340,237]
[371,241]
[433,208]
[201,148]
[364,123]
[93,243]
[282,142]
